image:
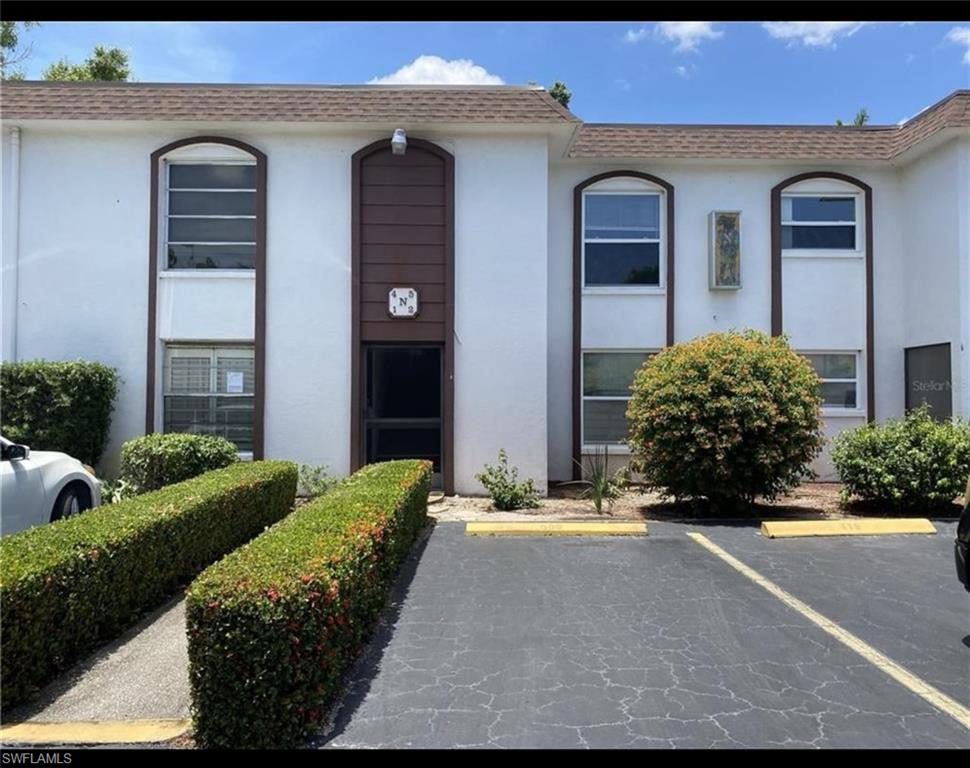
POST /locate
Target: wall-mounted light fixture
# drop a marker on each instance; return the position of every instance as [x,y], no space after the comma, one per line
[399,141]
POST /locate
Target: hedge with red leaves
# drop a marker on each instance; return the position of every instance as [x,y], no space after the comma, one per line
[274,625]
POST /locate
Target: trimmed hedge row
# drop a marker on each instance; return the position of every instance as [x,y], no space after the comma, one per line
[66,586]
[59,406]
[273,625]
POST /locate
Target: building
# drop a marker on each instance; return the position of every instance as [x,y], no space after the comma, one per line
[261,262]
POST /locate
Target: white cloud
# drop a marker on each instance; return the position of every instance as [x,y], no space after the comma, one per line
[623,84]
[636,35]
[682,71]
[960,36]
[813,33]
[434,70]
[687,34]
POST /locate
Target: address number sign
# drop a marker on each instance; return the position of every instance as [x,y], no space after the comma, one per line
[402,302]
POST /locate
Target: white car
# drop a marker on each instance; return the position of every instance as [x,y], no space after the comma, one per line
[38,487]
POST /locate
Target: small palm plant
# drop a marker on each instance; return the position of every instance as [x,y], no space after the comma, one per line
[601,486]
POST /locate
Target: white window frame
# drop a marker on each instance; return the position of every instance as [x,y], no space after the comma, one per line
[623,186]
[213,348]
[164,216]
[814,253]
[836,410]
[620,448]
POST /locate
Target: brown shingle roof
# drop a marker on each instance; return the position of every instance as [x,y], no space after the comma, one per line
[26,100]
[783,142]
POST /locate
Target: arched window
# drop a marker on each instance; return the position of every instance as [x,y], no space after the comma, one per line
[623,234]
[208,215]
[208,207]
[828,215]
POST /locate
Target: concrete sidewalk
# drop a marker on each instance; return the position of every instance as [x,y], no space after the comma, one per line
[144,674]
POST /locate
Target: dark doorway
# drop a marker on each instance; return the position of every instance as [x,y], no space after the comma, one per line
[928,379]
[402,403]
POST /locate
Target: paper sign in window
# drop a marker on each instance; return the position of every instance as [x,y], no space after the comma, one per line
[234,382]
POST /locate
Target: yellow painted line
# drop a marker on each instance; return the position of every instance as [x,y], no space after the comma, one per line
[93,732]
[869,527]
[898,673]
[578,528]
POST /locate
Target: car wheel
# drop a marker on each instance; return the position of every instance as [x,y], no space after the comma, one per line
[73,499]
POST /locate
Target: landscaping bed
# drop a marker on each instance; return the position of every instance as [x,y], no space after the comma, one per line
[809,501]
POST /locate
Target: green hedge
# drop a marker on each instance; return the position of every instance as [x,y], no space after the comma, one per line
[66,586]
[156,460]
[914,464]
[59,406]
[273,625]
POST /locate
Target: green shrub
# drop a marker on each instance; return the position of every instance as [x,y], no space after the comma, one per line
[914,463]
[159,459]
[503,486]
[66,586]
[315,480]
[726,417]
[59,406]
[273,626]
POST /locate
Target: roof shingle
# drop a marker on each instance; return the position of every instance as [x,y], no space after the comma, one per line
[782,142]
[27,100]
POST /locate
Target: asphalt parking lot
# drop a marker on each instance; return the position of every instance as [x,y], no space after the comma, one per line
[658,642]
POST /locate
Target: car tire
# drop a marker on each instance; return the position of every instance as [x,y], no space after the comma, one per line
[73,499]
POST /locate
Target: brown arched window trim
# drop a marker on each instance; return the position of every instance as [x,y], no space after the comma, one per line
[578,286]
[777,325]
[259,332]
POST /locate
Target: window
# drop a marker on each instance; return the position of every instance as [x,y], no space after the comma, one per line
[209,391]
[812,222]
[607,377]
[211,221]
[838,372]
[621,239]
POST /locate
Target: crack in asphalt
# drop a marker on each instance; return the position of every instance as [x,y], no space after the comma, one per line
[507,643]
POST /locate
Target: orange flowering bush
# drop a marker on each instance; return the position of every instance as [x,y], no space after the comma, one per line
[726,417]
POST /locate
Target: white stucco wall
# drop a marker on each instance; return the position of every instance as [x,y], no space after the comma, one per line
[83,244]
[83,258]
[823,299]
[501,269]
[308,299]
[936,242]
[84,283]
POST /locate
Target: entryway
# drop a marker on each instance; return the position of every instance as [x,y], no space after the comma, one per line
[403,245]
[402,403]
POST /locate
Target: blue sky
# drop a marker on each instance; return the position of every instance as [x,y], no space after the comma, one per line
[692,72]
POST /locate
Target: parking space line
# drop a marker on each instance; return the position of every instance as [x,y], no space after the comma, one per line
[93,732]
[898,673]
